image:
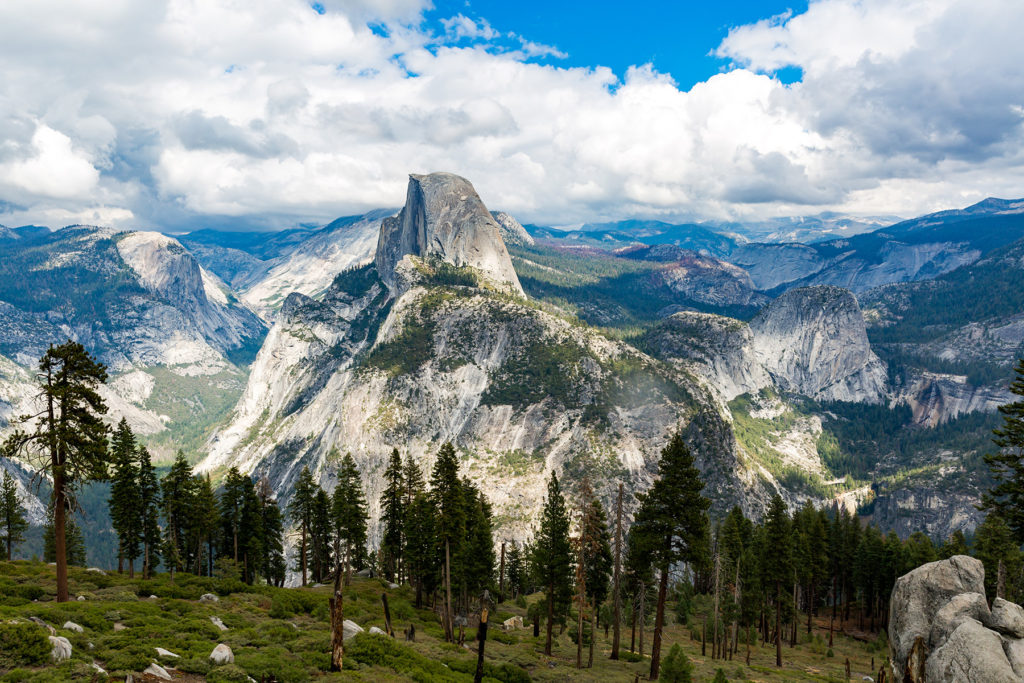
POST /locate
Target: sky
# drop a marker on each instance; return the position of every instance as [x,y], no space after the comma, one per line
[253,114]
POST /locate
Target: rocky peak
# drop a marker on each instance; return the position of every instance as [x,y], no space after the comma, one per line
[512,231]
[814,342]
[444,218]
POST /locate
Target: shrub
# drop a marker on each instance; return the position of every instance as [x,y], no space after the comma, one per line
[521,602]
[385,652]
[506,673]
[720,677]
[830,653]
[23,644]
[676,668]
[229,673]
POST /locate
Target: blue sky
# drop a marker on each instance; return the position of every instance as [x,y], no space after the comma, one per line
[675,37]
[176,114]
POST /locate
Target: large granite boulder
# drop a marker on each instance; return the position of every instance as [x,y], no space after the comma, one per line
[938,612]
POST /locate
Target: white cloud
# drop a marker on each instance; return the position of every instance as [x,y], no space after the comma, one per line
[161,111]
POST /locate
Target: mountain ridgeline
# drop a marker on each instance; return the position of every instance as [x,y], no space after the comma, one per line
[862,370]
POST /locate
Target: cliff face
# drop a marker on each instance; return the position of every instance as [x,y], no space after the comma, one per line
[813,342]
[444,218]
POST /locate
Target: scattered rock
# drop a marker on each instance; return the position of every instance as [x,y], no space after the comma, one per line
[376,631]
[61,648]
[208,597]
[218,623]
[392,586]
[349,629]
[512,624]
[222,654]
[81,598]
[72,626]
[99,669]
[153,597]
[96,570]
[155,669]
[166,653]
[119,627]
[40,622]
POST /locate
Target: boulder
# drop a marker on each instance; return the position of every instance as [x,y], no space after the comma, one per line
[99,669]
[218,623]
[376,631]
[512,623]
[119,627]
[971,653]
[1007,618]
[61,648]
[72,626]
[166,653]
[222,654]
[942,630]
[157,671]
[349,629]
[208,597]
[81,598]
[96,570]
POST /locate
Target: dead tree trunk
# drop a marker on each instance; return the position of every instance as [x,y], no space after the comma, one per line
[337,623]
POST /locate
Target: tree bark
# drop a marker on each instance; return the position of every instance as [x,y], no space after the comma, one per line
[302,552]
[714,625]
[551,617]
[593,636]
[778,623]
[642,618]
[448,593]
[501,575]
[617,616]
[481,635]
[59,537]
[337,624]
[658,619]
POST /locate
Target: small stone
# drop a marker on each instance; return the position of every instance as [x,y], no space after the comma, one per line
[166,653]
[155,669]
[218,623]
[376,631]
[72,626]
[61,648]
[392,586]
[153,597]
[222,654]
[96,570]
[119,627]
[81,598]
[209,597]
[99,669]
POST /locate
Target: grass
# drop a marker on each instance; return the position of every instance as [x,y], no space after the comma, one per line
[284,632]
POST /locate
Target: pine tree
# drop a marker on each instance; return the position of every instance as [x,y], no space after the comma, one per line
[777,564]
[956,544]
[274,566]
[75,542]
[125,515]
[300,513]
[149,504]
[995,543]
[1007,464]
[349,516]
[205,522]
[595,545]
[13,524]
[178,493]
[392,505]
[552,556]
[672,518]
[421,549]
[252,545]
[68,438]
[450,524]
[515,570]
[232,499]
[322,529]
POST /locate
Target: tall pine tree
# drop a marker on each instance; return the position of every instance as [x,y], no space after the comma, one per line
[552,556]
[349,516]
[450,523]
[777,564]
[13,524]
[149,504]
[125,515]
[392,506]
[1007,464]
[300,514]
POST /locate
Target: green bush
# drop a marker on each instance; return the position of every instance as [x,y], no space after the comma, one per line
[506,673]
[720,677]
[23,644]
[276,662]
[676,668]
[521,602]
[385,652]
[229,673]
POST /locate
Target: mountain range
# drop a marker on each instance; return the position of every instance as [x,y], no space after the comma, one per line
[863,370]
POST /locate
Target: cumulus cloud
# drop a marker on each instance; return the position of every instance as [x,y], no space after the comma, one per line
[273,111]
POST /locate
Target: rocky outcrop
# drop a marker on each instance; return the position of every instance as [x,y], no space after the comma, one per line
[813,341]
[941,626]
[697,277]
[222,654]
[444,218]
[512,231]
[936,398]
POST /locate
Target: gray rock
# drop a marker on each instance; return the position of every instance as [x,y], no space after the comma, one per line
[1014,650]
[959,609]
[40,622]
[209,597]
[99,669]
[119,627]
[166,653]
[153,597]
[61,648]
[96,570]
[376,631]
[1007,618]
[350,629]
[72,626]
[971,653]
[919,595]
[158,671]
[222,654]
[218,623]
[81,598]
[512,231]
[443,217]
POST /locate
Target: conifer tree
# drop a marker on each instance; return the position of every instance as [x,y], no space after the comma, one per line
[13,524]
[956,544]
[450,522]
[595,540]
[995,544]
[232,499]
[349,515]
[273,568]
[68,440]
[125,515]
[75,542]
[300,513]
[477,560]
[515,570]
[392,505]
[149,504]
[672,520]
[178,493]
[1007,463]
[323,528]
[777,564]
[421,549]
[552,556]
[252,545]
[205,522]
